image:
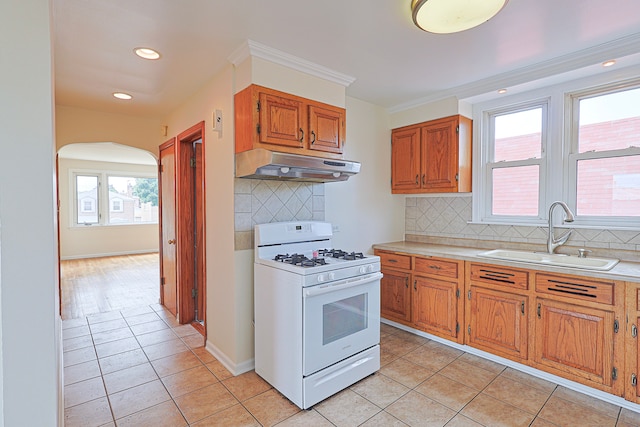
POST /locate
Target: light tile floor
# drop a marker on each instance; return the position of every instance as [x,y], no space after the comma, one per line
[137,367]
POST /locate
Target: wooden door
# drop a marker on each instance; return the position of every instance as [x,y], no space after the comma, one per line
[435,306]
[326,129]
[405,159]
[167,192]
[281,121]
[498,322]
[440,155]
[395,295]
[574,339]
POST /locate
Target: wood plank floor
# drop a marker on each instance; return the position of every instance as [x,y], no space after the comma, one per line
[99,285]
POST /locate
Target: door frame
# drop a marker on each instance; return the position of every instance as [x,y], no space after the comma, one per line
[190,203]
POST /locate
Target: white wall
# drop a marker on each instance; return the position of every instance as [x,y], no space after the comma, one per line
[224,293]
[30,324]
[96,241]
[81,125]
[363,207]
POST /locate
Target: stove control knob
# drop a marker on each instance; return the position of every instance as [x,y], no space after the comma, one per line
[332,276]
[366,269]
[321,278]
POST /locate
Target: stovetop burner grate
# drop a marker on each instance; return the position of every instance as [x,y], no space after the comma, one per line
[304,261]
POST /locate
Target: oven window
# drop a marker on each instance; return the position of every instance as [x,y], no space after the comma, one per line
[343,318]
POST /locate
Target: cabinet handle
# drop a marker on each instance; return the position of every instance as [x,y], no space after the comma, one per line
[634,331]
[522,307]
[539,311]
[392,260]
[301,135]
[634,380]
[424,179]
[435,267]
[417,179]
[415,285]
[406,282]
[314,137]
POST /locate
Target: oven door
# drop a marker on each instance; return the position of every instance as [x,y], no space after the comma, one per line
[340,319]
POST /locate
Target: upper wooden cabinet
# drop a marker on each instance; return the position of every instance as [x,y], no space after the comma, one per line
[266,118]
[432,157]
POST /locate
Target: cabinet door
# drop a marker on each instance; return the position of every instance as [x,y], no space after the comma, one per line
[632,342]
[395,296]
[498,322]
[281,121]
[440,156]
[435,306]
[326,129]
[575,340]
[405,159]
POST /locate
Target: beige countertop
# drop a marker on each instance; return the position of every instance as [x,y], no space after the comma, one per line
[624,270]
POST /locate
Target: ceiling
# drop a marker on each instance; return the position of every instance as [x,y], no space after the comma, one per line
[395,65]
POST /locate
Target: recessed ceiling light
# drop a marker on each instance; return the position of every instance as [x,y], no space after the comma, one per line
[122,95]
[609,63]
[501,91]
[146,53]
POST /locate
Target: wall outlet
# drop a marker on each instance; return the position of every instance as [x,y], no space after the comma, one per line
[217,121]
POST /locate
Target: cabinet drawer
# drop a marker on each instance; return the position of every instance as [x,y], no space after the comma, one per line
[500,276]
[575,288]
[395,261]
[437,267]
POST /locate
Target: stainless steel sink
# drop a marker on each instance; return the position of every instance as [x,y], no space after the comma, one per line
[588,263]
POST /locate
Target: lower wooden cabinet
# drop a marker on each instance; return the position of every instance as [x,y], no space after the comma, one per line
[423,292]
[435,307]
[581,328]
[395,295]
[632,342]
[498,322]
[575,340]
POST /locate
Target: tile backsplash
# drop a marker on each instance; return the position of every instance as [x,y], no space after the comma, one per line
[445,220]
[262,201]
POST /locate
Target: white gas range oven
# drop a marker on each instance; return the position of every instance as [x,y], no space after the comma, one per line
[317,311]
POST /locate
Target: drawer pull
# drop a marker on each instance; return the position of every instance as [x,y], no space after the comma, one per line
[392,260]
[435,267]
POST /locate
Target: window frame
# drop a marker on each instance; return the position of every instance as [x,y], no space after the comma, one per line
[490,165]
[103,202]
[574,156]
[560,177]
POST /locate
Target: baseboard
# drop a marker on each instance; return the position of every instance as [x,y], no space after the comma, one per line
[581,388]
[102,255]
[235,369]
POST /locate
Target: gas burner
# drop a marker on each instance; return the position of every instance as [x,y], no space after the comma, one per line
[340,254]
[300,260]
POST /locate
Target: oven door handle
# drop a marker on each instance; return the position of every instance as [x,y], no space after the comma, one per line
[343,284]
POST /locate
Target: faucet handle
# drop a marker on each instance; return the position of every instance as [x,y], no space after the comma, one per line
[582,252]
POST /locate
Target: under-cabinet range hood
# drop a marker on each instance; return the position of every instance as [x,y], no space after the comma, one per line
[264,164]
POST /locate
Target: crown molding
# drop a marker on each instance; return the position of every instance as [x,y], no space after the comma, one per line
[252,48]
[614,49]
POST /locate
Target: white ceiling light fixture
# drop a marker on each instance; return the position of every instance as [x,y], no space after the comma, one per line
[122,95]
[452,16]
[146,53]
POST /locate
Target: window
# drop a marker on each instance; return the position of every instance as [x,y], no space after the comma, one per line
[605,159]
[515,161]
[127,199]
[86,191]
[584,151]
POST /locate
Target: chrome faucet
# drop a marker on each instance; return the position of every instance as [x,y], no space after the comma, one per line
[552,241]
